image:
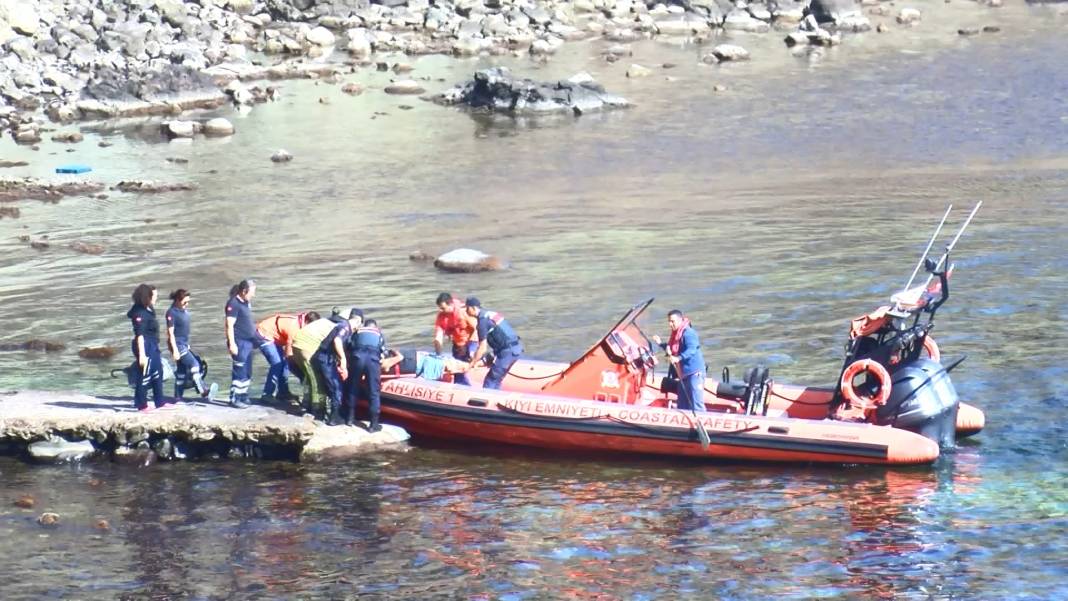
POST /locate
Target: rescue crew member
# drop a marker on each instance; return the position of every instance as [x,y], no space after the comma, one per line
[367,346]
[145,347]
[187,362]
[304,343]
[241,339]
[332,363]
[454,322]
[684,351]
[279,330]
[496,333]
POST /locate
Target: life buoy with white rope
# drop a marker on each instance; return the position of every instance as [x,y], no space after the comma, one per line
[877,371]
[931,347]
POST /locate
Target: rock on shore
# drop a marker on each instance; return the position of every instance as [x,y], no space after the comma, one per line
[58,426]
[496,90]
[86,59]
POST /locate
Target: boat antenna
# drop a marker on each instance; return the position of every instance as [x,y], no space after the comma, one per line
[919,264]
[955,238]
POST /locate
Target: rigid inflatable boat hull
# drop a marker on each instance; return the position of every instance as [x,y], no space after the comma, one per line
[445,411]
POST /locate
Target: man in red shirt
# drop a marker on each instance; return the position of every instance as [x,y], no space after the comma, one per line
[454,322]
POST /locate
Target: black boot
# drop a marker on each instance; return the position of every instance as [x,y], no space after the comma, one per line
[335,416]
[374,426]
[350,414]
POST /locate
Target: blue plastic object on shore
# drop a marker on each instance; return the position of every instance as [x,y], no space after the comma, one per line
[73,169]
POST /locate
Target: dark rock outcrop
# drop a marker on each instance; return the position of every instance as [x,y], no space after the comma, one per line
[496,90]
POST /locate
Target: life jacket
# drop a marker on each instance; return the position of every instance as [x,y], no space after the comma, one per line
[281,328]
[367,339]
[499,335]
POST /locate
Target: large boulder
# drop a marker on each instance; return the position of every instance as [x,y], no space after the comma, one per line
[20,16]
[845,14]
[219,126]
[496,90]
[57,450]
[467,260]
[169,82]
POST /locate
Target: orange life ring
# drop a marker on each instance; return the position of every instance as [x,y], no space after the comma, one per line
[855,369]
[931,347]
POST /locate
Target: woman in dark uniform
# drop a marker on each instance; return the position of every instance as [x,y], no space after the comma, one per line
[187,362]
[145,347]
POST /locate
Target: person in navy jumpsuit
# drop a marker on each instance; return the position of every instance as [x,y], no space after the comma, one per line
[145,347]
[242,339]
[332,362]
[366,348]
[496,333]
[187,363]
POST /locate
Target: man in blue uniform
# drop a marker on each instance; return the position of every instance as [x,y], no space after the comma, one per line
[332,363]
[494,332]
[366,347]
[241,340]
[684,351]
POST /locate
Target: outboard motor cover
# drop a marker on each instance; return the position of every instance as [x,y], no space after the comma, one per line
[922,400]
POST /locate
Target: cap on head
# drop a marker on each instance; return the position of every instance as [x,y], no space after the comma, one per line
[473,302]
[354,313]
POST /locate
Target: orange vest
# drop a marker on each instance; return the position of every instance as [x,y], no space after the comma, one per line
[281,327]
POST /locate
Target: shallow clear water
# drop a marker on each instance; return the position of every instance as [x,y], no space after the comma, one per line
[771,213]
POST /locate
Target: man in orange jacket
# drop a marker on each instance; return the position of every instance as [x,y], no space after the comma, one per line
[279,330]
[454,322]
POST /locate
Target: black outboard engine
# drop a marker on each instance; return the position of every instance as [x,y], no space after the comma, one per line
[922,400]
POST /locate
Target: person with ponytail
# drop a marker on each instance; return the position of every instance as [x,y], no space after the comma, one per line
[145,347]
[241,339]
[188,364]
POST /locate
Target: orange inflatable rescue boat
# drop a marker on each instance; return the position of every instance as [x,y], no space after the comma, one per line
[894,402]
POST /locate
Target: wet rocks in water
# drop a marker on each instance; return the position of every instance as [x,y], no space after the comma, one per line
[405,86]
[56,450]
[147,187]
[967,31]
[68,137]
[466,260]
[4,163]
[635,71]
[102,525]
[87,248]
[846,15]
[908,16]
[39,245]
[48,519]
[496,90]
[99,353]
[420,256]
[10,212]
[218,126]
[726,53]
[181,129]
[352,89]
[281,156]
[34,344]
[25,502]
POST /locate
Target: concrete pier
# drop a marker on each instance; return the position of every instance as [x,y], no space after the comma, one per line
[40,424]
